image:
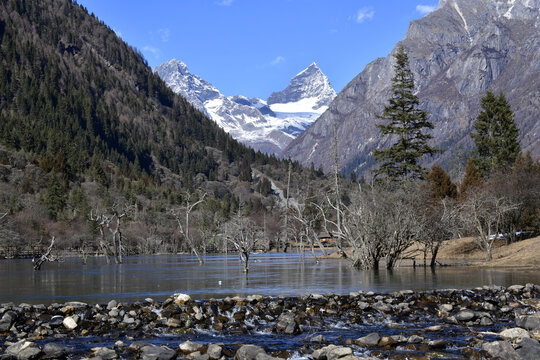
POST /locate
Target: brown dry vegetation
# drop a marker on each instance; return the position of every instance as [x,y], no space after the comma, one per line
[525,253]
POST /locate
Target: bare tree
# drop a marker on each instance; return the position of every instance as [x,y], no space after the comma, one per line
[442,224]
[243,233]
[46,256]
[378,224]
[307,215]
[363,229]
[182,216]
[111,220]
[485,214]
[287,210]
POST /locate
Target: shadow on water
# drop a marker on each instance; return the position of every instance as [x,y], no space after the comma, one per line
[270,274]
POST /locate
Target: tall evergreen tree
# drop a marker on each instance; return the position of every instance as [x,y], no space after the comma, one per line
[55,197]
[406,122]
[496,136]
[245,170]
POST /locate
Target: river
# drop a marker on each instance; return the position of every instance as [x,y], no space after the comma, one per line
[271,274]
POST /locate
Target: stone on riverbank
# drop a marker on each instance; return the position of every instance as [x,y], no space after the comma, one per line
[528,349]
[287,324]
[70,322]
[529,322]
[104,353]
[514,334]
[189,347]
[24,350]
[214,351]
[465,315]
[54,351]
[7,320]
[501,350]
[368,340]
[332,352]
[249,352]
[181,299]
[153,352]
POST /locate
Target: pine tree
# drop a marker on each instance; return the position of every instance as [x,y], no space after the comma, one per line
[472,178]
[55,197]
[496,136]
[406,122]
[245,170]
[440,183]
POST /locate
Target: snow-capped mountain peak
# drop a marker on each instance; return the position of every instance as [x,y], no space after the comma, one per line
[310,83]
[264,125]
[196,90]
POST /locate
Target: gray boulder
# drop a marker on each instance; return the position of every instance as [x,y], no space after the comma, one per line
[287,324]
[529,349]
[501,350]
[514,334]
[214,351]
[104,353]
[368,340]
[338,353]
[23,350]
[249,352]
[54,351]
[465,315]
[529,322]
[189,347]
[7,320]
[152,352]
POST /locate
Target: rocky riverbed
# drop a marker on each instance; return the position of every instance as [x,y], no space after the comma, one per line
[487,322]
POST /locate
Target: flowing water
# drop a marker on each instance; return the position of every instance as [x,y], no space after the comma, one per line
[270,274]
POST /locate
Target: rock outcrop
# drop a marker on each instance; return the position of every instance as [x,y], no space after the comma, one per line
[457,52]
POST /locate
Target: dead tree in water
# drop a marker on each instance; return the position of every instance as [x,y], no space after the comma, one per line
[46,256]
[244,234]
[183,224]
[111,221]
[307,215]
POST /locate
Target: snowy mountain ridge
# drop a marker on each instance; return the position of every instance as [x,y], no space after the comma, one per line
[268,126]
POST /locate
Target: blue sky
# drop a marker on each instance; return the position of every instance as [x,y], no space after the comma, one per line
[254,47]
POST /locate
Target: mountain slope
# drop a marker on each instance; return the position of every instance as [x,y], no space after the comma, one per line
[254,122]
[70,86]
[456,53]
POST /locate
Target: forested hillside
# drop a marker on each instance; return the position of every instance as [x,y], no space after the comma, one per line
[70,85]
[86,127]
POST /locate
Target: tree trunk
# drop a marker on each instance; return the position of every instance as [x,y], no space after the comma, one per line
[488,251]
[434,253]
[244,258]
[44,257]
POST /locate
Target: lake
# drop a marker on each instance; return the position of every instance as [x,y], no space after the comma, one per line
[221,276]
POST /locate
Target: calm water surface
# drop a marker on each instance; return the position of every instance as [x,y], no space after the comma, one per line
[270,274]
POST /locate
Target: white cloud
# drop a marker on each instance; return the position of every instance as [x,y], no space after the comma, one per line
[152,50]
[164,34]
[425,9]
[364,14]
[278,60]
[225,2]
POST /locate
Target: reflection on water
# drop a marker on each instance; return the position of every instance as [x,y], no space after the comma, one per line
[270,274]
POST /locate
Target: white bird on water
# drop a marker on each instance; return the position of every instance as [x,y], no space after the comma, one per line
[219,282]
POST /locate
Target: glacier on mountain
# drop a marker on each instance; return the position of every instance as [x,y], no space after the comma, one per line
[268,126]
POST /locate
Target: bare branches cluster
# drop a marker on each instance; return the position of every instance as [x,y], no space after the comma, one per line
[110,220]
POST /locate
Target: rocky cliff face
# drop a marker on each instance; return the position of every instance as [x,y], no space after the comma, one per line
[456,53]
[266,126]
